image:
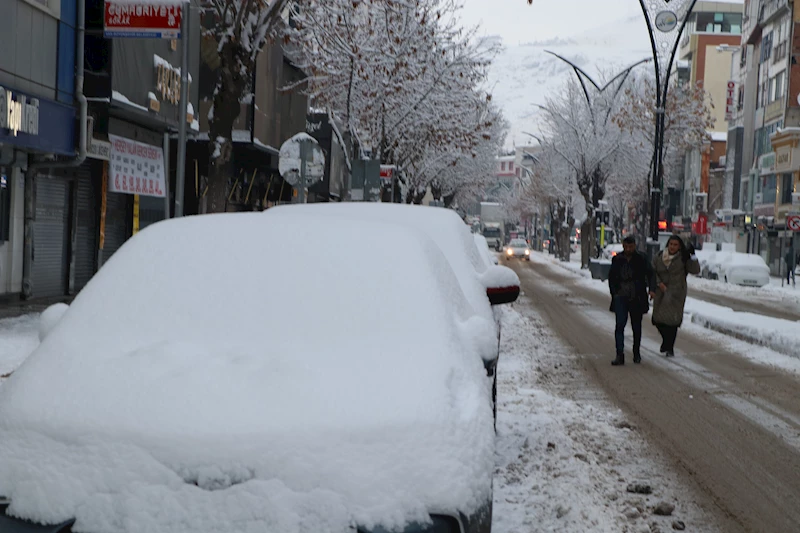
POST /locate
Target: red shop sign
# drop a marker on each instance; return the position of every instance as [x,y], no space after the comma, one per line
[154,20]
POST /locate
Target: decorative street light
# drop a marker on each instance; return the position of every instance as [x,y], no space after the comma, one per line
[666,20]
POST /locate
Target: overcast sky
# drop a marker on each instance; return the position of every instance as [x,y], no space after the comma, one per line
[517,22]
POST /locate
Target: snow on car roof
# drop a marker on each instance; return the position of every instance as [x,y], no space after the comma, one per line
[316,385]
[444,226]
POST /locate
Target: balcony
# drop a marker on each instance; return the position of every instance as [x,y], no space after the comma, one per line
[771,9]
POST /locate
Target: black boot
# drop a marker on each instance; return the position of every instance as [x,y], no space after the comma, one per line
[670,353]
[663,349]
[637,356]
[620,360]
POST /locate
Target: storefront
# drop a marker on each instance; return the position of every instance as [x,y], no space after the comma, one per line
[33,126]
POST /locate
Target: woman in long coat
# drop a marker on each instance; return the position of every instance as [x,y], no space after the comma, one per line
[670,268]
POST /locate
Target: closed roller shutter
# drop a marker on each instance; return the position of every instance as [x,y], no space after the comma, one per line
[86,231]
[151,210]
[117,218]
[50,237]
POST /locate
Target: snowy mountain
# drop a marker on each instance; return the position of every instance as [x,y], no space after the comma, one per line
[524,75]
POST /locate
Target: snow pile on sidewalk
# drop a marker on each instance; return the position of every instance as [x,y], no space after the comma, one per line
[565,455]
[18,338]
[773,293]
[780,335]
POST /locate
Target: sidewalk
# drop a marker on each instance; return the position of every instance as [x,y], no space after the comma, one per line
[25,307]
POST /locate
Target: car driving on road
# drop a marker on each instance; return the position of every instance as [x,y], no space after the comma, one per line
[518,248]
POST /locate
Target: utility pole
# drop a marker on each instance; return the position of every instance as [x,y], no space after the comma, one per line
[180,171]
[665,20]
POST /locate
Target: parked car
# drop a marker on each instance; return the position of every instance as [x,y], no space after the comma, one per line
[611,250]
[485,250]
[744,269]
[236,381]
[518,248]
[714,262]
[446,229]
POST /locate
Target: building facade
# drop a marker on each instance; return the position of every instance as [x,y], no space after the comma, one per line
[38,122]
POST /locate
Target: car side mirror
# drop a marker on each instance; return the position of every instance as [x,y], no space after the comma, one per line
[502,295]
[502,285]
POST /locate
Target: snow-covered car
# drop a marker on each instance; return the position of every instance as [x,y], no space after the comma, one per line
[612,250]
[517,248]
[744,269]
[448,231]
[235,382]
[484,250]
[714,263]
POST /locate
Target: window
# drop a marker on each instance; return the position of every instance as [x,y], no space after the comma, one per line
[769,186]
[740,99]
[780,83]
[787,187]
[511,167]
[719,23]
[743,56]
[766,47]
[5,203]
[502,166]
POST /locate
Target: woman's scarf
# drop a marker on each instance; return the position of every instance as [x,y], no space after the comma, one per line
[667,258]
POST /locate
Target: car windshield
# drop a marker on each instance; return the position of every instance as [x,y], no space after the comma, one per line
[518,244]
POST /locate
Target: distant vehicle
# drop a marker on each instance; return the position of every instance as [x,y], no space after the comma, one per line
[350,398]
[493,224]
[748,270]
[518,248]
[612,250]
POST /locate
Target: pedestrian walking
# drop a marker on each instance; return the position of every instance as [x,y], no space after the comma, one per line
[629,280]
[791,264]
[671,267]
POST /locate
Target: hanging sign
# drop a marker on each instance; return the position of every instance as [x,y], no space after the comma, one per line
[136,168]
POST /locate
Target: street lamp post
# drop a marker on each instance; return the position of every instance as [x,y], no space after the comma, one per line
[665,20]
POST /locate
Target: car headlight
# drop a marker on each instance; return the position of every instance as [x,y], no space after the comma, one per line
[527,252]
[510,251]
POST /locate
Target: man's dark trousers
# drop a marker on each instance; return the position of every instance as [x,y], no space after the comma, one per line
[623,308]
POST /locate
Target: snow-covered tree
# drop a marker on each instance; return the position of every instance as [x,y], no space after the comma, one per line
[592,145]
[687,120]
[240,28]
[552,189]
[404,75]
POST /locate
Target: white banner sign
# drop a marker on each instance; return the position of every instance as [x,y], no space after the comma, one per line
[136,168]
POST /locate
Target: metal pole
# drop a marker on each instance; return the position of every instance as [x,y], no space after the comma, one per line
[166,176]
[782,259]
[180,171]
[392,185]
[301,189]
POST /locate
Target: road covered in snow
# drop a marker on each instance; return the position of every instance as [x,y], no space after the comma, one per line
[723,416]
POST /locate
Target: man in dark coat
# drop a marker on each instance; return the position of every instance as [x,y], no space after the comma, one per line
[629,281]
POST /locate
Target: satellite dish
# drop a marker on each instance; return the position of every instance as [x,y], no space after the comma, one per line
[294,152]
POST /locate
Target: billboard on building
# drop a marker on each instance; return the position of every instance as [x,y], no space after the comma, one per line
[140,19]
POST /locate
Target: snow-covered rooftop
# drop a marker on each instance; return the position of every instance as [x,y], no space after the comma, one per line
[225,383]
